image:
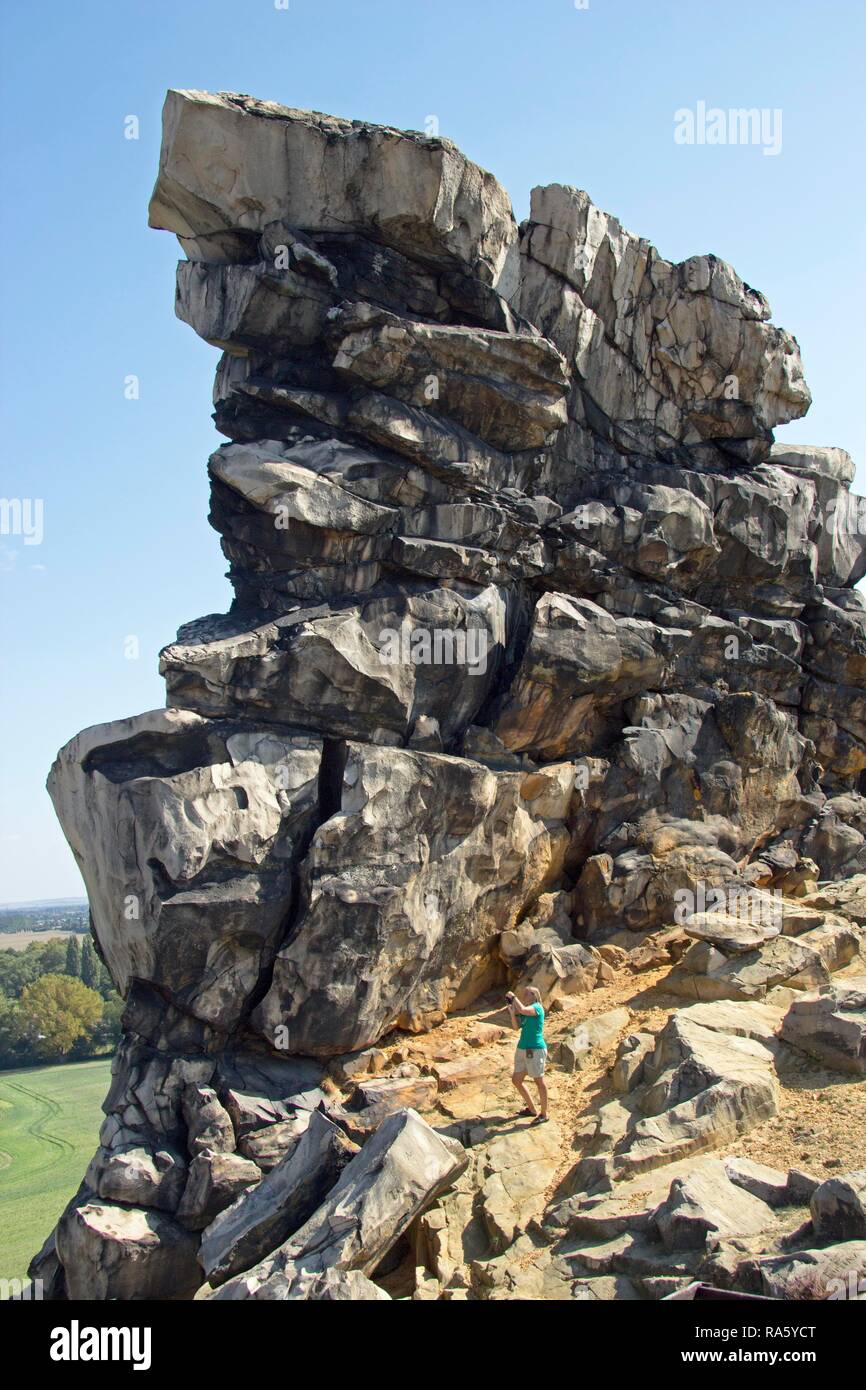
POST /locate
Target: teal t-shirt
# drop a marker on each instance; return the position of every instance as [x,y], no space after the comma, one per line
[532,1029]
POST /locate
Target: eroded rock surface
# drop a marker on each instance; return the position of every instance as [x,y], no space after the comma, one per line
[545,662]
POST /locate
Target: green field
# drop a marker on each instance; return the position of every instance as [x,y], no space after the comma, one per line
[49,1126]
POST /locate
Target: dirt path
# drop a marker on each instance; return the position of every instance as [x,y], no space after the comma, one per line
[820,1125]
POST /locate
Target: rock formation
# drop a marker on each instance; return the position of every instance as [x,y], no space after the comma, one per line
[541,650]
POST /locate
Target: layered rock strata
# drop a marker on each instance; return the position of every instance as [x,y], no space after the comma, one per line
[538,638]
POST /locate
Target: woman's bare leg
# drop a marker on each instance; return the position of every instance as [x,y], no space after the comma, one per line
[542,1093]
[518,1081]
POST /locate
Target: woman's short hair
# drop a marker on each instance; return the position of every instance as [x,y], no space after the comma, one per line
[535,993]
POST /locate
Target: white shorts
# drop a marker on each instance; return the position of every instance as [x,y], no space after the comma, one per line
[530,1061]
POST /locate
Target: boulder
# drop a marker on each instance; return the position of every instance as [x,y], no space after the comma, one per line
[702,1088]
[138,1177]
[705,1205]
[265,1215]
[266,1147]
[215,1180]
[839,1208]
[558,972]
[834,1273]
[450,1075]
[396,1175]
[627,1070]
[629,1206]
[759,1180]
[404,189]
[126,1253]
[208,1122]
[798,962]
[356,1064]
[483,1034]
[732,935]
[383,1096]
[590,1040]
[831,1025]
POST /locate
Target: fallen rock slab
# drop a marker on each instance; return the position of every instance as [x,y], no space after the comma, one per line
[838,1272]
[706,1204]
[399,1172]
[450,1075]
[839,1208]
[769,1184]
[215,1180]
[286,1197]
[831,1025]
[267,1146]
[702,1089]
[593,1037]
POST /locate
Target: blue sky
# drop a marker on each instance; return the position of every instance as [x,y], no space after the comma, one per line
[538,91]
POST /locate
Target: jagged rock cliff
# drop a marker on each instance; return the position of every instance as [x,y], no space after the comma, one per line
[535,631]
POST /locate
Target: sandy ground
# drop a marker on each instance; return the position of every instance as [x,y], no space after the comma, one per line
[820,1128]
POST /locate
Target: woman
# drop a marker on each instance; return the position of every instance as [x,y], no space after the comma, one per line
[531,1055]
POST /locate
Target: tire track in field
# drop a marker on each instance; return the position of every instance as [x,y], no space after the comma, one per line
[37,1127]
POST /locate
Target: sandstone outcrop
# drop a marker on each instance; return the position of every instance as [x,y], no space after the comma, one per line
[545,661]
[382,1189]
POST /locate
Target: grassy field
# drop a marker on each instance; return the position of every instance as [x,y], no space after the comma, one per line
[49,1123]
[18,940]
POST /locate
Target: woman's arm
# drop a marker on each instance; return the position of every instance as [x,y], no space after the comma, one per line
[522,1008]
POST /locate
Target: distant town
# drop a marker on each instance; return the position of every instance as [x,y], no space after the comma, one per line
[58,914]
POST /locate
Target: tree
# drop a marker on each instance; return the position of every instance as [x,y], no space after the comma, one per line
[73,958]
[89,964]
[13,1047]
[55,1012]
[106,984]
[108,1031]
[20,968]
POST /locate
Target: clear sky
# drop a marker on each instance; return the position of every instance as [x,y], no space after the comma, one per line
[538,91]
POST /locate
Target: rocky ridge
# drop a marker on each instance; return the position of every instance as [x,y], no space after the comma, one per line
[543,667]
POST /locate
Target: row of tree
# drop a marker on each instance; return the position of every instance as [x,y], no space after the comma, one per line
[57,1003]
